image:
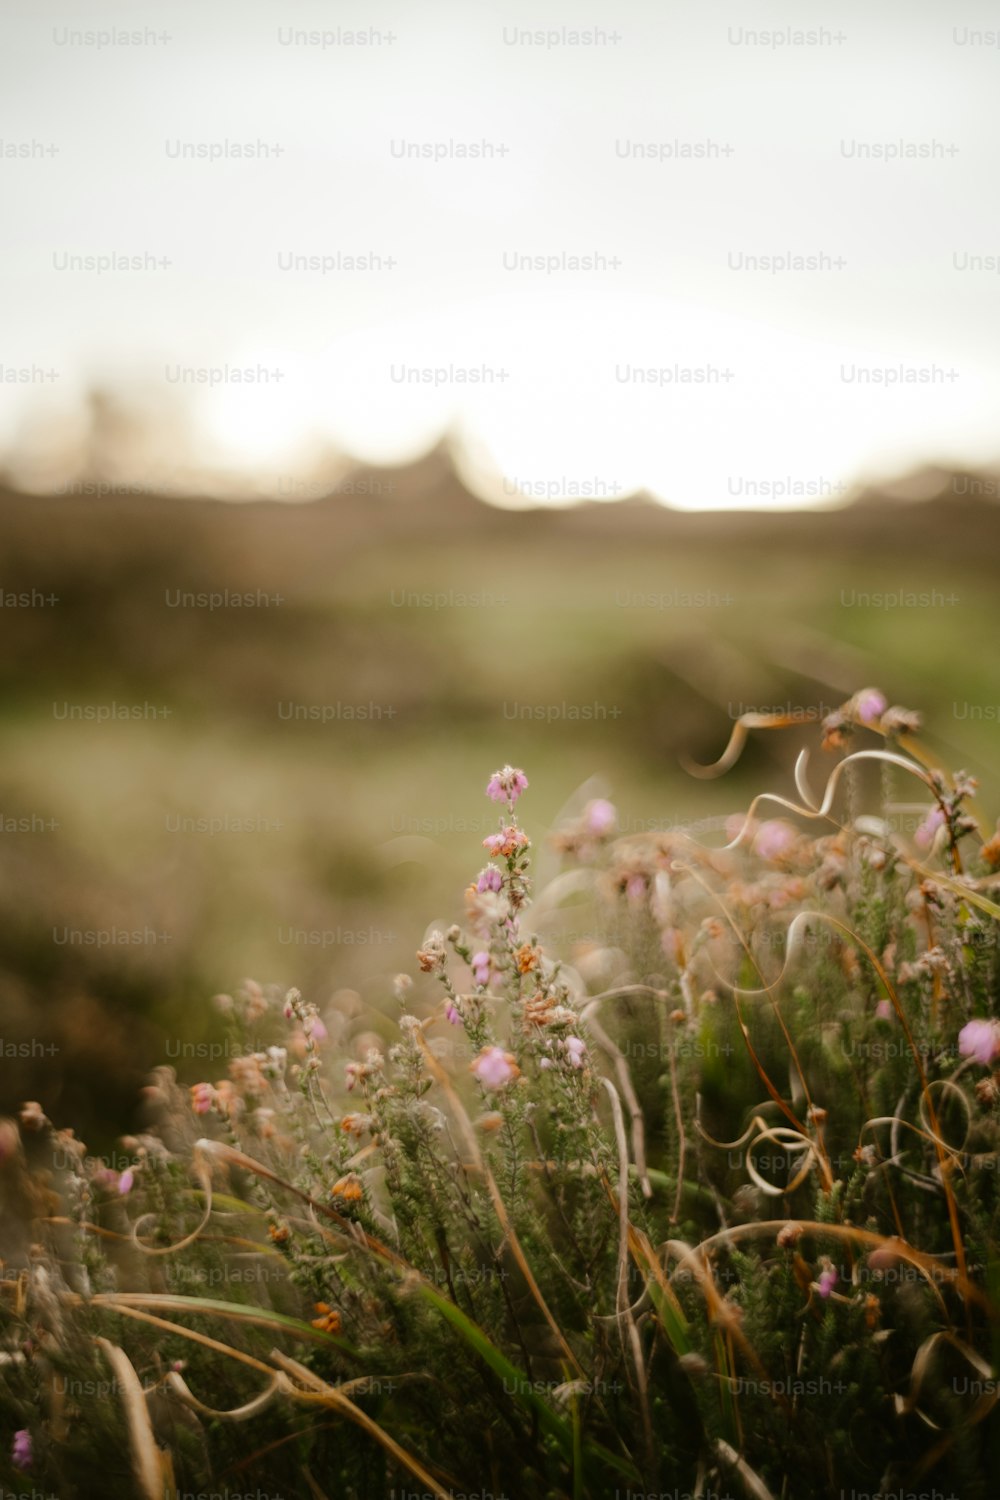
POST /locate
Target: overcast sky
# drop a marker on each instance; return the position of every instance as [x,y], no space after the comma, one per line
[678,146]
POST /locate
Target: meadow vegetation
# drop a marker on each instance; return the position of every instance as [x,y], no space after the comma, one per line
[672,1172]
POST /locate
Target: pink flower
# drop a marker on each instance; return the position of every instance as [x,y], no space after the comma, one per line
[481,967]
[883,1010]
[599,817]
[452,1014]
[506,785]
[490,879]
[870,705]
[507,842]
[494,1067]
[827,1282]
[576,1050]
[202,1098]
[22,1452]
[126,1181]
[635,887]
[924,835]
[980,1039]
[773,838]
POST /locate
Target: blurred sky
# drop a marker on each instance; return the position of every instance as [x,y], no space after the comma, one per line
[758,375]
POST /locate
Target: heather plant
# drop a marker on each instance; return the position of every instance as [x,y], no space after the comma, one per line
[678,1176]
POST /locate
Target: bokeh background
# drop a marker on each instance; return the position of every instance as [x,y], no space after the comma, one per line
[549,390]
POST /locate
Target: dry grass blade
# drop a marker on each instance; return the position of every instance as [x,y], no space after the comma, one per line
[765,1078]
[205,1178]
[921,1370]
[720,1312]
[250,1408]
[602,1039]
[626,1321]
[847,1234]
[236,1312]
[151,1471]
[232,1157]
[755,1486]
[328,1395]
[790,1141]
[738,738]
[191,1334]
[441,1077]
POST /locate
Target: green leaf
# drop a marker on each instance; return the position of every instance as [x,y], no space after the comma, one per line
[237,1312]
[551,1423]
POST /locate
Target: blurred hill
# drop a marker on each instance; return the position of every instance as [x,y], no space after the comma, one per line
[199,804]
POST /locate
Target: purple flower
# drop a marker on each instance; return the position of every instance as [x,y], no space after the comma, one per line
[494,1067]
[599,817]
[827,1282]
[126,1181]
[490,879]
[22,1452]
[980,1039]
[481,967]
[576,1050]
[924,836]
[506,785]
[870,705]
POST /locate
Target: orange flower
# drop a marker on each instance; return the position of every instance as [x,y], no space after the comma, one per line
[349,1188]
[278,1233]
[328,1320]
[527,958]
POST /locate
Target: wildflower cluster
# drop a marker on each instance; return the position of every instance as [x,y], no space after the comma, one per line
[703,1195]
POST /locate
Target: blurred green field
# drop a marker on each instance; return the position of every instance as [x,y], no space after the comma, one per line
[365,831]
